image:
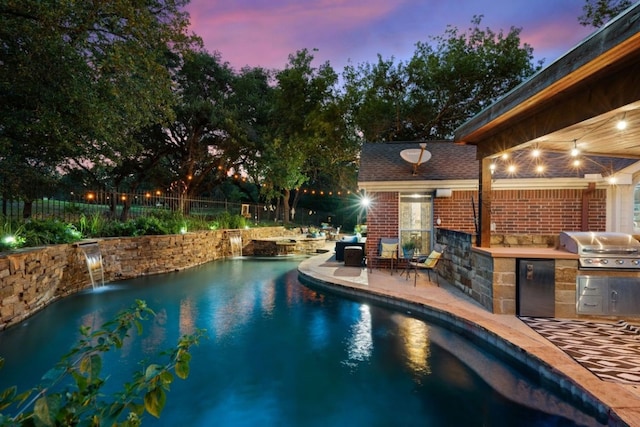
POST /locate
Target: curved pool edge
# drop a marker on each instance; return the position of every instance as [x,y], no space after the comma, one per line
[504,334]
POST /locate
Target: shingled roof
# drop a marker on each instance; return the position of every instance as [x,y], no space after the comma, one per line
[381,162]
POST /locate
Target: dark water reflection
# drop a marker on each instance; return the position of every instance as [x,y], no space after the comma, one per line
[281,354]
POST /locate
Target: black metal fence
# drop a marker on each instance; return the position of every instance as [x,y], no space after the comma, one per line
[110,204]
[113,204]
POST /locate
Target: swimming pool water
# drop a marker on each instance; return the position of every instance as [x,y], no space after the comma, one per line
[278,353]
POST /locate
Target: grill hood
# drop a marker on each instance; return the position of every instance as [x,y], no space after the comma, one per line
[602,249]
[594,243]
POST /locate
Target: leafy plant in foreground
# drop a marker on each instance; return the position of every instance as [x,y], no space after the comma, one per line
[82,403]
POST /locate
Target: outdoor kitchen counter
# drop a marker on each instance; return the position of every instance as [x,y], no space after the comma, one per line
[495,277]
[526,252]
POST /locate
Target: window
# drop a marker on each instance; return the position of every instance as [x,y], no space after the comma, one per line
[416,212]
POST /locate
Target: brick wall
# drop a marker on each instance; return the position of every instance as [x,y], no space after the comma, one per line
[382,220]
[525,211]
[532,212]
[456,212]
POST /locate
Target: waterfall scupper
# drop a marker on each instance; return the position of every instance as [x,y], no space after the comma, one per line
[93,258]
[235,243]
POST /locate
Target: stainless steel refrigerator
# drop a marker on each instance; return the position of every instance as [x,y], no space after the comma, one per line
[535,288]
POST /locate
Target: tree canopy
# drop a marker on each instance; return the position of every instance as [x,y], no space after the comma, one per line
[444,84]
[119,95]
[596,13]
[78,79]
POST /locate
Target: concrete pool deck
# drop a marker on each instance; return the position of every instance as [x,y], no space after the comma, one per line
[620,401]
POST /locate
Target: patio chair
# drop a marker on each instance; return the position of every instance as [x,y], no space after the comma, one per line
[428,263]
[387,251]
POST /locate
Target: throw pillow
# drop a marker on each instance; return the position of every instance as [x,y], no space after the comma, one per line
[389,250]
[432,259]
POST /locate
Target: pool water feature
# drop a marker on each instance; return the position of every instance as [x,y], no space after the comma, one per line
[93,258]
[235,243]
[281,354]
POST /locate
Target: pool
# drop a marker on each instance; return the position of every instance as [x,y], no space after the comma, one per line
[279,353]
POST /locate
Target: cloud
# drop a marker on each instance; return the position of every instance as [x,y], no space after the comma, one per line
[259,35]
[265,32]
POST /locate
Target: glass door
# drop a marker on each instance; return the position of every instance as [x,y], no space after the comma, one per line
[416,213]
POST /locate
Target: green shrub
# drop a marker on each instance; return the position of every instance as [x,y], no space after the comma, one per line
[227,221]
[238,221]
[11,236]
[116,229]
[39,232]
[150,225]
[197,223]
[92,226]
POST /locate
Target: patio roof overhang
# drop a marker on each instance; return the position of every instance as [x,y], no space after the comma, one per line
[573,101]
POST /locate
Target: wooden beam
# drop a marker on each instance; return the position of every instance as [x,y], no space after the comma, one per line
[483,239]
[592,98]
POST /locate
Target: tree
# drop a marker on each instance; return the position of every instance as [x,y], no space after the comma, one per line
[378,98]
[599,12]
[440,87]
[298,126]
[193,152]
[77,79]
[82,403]
[220,122]
[248,124]
[198,138]
[461,75]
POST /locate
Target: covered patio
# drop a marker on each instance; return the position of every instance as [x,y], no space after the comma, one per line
[579,102]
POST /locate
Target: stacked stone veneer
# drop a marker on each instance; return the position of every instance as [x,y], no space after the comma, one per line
[32,279]
[492,281]
[566,272]
[494,285]
[303,245]
[457,264]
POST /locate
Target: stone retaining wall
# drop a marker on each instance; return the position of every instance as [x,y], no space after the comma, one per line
[299,245]
[31,279]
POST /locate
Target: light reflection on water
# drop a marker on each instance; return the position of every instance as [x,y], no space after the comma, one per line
[415,337]
[282,354]
[360,343]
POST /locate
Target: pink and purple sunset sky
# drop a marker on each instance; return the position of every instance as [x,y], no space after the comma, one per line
[264,32]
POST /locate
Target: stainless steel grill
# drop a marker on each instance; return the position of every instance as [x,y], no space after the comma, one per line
[600,250]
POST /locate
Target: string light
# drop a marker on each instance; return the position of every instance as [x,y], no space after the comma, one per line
[574,151]
[506,160]
[622,123]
